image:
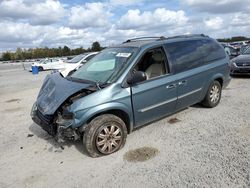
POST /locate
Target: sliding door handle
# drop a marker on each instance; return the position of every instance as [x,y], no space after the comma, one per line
[171,86]
[182,82]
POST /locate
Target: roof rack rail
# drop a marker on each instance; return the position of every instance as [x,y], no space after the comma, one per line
[188,36]
[143,38]
[164,38]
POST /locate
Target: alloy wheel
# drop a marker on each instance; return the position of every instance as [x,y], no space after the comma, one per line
[109,139]
[215,94]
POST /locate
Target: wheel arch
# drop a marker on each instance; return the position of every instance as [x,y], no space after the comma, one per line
[117,109]
[220,80]
[117,112]
[40,67]
[218,77]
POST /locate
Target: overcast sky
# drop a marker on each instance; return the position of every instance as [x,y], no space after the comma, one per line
[53,23]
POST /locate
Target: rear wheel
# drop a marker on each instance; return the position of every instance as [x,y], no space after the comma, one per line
[40,68]
[213,95]
[104,135]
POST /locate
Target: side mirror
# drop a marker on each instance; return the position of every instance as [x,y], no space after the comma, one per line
[136,77]
[84,61]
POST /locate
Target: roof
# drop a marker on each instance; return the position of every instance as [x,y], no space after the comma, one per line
[143,41]
[138,43]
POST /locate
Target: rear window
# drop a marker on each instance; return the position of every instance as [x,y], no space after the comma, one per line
[193,53]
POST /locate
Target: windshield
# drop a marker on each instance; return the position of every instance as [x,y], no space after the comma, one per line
[43,61]
[105,66]
[77,58]
[247,50]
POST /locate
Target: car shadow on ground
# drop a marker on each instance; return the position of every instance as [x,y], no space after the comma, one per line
[240,76]
[198,105]
[40,133]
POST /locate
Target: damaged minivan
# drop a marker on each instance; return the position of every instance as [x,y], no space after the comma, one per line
[130,85]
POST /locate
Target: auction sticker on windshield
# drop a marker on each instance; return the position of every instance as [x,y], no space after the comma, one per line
[123,55]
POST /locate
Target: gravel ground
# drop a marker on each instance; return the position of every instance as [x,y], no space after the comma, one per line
[196,147]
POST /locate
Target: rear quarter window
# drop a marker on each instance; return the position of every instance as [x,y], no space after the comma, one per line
[213,51]
[193,53]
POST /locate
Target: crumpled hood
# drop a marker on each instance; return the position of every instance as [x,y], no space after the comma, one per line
[242,58]
[55,90]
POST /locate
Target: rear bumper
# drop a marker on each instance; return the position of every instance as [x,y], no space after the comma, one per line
[226,82]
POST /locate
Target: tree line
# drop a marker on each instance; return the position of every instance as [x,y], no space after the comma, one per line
[234,39]
[36,53]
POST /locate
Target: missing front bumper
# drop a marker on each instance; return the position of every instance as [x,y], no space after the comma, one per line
[44,121]
[61,129]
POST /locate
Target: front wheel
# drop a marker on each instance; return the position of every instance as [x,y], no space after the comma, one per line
[104,135]
[213,95]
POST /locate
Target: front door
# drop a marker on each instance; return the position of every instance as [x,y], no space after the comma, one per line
[157,96]
[57,64]
[47,64]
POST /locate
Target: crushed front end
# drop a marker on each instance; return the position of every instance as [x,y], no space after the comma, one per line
[50,111]
[58,126]
[45,121]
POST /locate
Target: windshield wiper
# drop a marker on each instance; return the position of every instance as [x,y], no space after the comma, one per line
[101,85]
[73,79]
[98,85]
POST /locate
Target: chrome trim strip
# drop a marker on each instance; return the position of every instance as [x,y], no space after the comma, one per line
[189,93]
[157,105]
[242,64]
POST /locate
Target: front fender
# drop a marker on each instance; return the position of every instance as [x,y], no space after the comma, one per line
[82,116]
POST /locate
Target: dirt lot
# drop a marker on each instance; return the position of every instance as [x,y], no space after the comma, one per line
[197,147]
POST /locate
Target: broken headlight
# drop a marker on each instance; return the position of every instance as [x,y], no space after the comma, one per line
[66,114]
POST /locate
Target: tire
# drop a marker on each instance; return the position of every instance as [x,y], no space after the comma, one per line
[213,95]
[40,68]
[104,135]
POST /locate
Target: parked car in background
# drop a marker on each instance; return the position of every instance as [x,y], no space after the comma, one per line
[238,44]
[241,64]
[127,86]
[48,64]
[76,62]
[231,51]
[243,48]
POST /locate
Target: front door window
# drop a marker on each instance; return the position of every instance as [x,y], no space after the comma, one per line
[152,63]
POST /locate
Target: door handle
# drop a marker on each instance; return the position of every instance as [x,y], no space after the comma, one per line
[182,82]
[171,86]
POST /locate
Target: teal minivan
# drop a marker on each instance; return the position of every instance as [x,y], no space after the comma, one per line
[124,87]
